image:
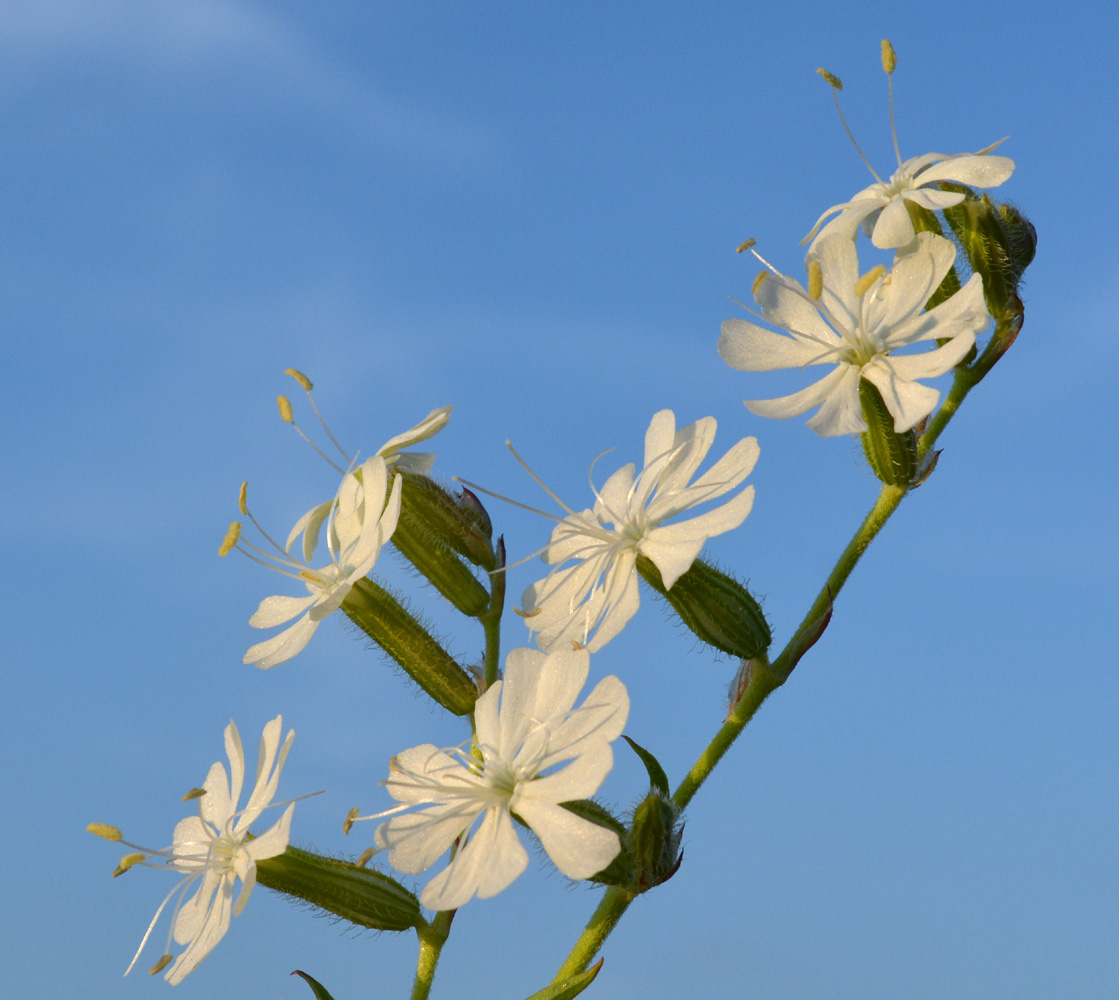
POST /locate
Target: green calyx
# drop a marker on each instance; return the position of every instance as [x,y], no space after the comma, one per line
[999,242]
[392,627]
[925,221]
[655,840]
[714,606]
[363,896]
[891,455]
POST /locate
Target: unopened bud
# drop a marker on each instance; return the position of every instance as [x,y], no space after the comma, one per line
[457,521]
[892,455]
[655,840]
[392,627]
[363,896]
[304,382]
[715,606]
[831,78]
[889,57]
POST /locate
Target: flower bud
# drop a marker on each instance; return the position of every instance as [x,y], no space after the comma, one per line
[715,606]
[999,242]
[891,455]
[655,841]
[389,624]
[363,896]
[457,521]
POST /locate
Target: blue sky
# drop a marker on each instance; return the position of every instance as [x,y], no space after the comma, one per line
[530,211]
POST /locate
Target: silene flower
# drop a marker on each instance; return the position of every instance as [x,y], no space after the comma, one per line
[881,207]
[532,750]
[354,540]
[359,522]
[213,850]
[588,602]
[856,324]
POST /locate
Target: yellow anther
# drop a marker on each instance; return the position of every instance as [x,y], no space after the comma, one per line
[350,817]
[230,540]
[285,409]
[105,830]
[194,793]
[311,577]
[576,645]
[527,614]
[762,275]
[243,499]
[365,857]
[831,78]
[748,245]
[162,964]
[815,280]
[869,279]
[889,56]
[127,862]
[299,377]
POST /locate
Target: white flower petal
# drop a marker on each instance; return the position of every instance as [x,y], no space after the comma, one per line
[577,847]
[280,608]
[973,170]
[283,646]
[894,228]
[748,347]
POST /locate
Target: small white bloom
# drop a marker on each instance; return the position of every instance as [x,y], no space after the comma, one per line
[419,462]
[537,750]
[359,523]
[213,850]
[858,333]
[590,602]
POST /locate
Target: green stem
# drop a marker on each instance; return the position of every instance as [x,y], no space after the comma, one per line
[432,937]
[762,681]
[609,911]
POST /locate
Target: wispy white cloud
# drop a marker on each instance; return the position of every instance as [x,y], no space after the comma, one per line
[257,56]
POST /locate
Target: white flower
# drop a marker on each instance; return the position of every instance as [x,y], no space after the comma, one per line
[590,602]
[856,330]
[359,522]
[881,207]
[214,851]
[419,462]
[537,751]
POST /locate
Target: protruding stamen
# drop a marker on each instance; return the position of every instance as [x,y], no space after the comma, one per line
[889,64]
[105,830]
[539,481]
[527,614]
[348,825]
[128,861]
[194,793]
[299,377]
[815,280]
[243,499]
[869,279]
[162,964]
[747,245]
[889,57]
[365,857]
[285,409]
[232,535]
[833,80]
[758,281]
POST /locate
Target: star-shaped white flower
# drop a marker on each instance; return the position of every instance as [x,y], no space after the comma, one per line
[880,208]
[310,524]
[589,603]
[359,523]
[858,330]
[537,750]
[213,851]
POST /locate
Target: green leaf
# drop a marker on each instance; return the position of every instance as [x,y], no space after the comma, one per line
[318,988]
[569,988]
[657,778]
